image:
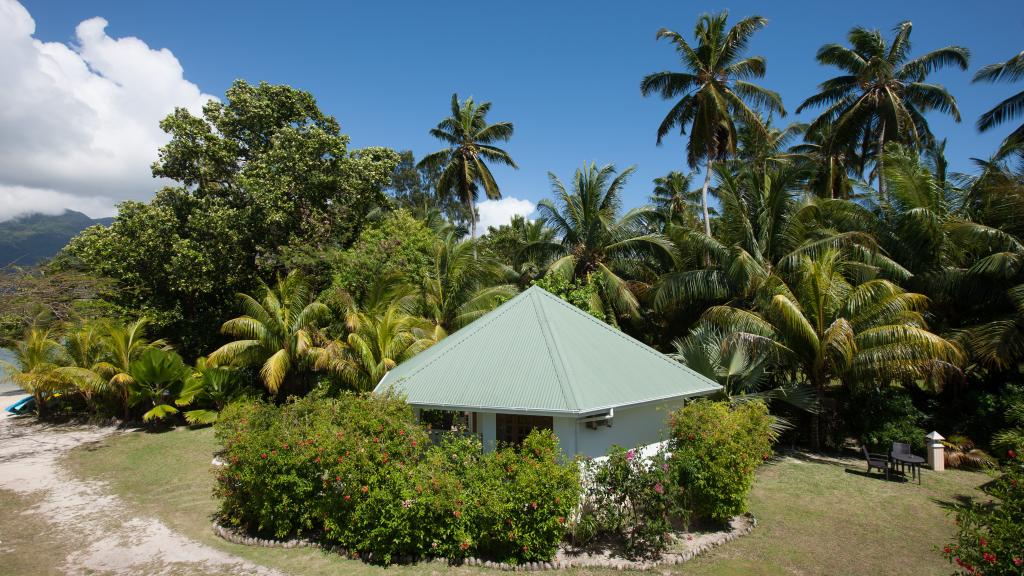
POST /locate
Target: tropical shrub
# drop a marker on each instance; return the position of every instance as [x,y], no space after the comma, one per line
[357,470]
[158,378]
[632,500]
[295,468]
[991,533]
[715,450]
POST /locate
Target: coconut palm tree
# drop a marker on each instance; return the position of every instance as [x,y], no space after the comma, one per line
[830,329]
[471,145]
[593,243]
[375,344]
[123,344]
[277,333]
[37,357]
[509,241]
[714,92]
[882,95]
[673,199]
[464,282]
[1011,70]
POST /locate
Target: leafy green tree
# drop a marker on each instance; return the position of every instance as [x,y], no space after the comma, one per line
[398,245]
[37,357]
[882,95]
[713,91]
[261,177]
[278,334]
[592,243]
[463,282]
[471,145]
[509,243]
[158,378]
[1011,70]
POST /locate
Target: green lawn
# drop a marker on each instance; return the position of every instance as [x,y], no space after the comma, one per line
[816,517]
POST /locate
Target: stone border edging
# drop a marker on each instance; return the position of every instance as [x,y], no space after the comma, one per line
[667,558]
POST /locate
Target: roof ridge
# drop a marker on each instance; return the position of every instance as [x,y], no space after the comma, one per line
[622,335]
[561,374]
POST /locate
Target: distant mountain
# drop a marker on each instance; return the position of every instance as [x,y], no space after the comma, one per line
[27,240]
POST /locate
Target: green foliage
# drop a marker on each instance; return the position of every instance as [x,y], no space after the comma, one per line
[158,377]
[715,450]
[990,538]
[879,416]
[398,246]
[262,170]
[632,500]
[582,294]
[359,470]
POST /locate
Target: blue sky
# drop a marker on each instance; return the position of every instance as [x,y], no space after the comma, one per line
[566,73]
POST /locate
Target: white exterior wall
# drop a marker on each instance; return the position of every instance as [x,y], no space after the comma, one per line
[640,425]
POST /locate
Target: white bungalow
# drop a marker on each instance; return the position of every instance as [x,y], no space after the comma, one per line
[538,362]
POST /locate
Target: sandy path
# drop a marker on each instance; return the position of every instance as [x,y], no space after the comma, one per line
[113,540]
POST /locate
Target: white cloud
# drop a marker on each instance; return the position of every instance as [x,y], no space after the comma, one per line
[79,122]
[498,212]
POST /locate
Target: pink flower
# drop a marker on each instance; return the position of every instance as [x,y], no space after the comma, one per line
[659,488]
[665,467]
[264,455]
[629,454]
[406,503]
[1017,561]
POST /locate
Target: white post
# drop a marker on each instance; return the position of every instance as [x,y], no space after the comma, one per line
[936,451]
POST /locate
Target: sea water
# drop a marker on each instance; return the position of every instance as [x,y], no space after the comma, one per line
[7,388]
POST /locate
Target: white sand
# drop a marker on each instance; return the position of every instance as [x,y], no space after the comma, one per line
[115,541]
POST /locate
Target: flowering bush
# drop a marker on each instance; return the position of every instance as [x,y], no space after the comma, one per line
[358,472]
[991,533]
[633,500]
[296,468]
[715,450]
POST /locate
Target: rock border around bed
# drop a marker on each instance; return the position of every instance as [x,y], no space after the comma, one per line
[694,546]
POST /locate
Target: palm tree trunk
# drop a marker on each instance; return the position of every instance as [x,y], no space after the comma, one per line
[879,163]
[704,197]
[40,404]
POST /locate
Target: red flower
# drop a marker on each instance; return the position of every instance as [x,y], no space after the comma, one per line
[659,488]
[401,432]
[947,549]
[989,557]
[337,478]
[365,489]
[317,460]
[347,497]
[457,513]
[376,440]
[1017,561]
[264,455]
[464,546]
[533,505]
[982,542]
[414,443]
[1011,454]
[339,458]
[285,446]
[561,520]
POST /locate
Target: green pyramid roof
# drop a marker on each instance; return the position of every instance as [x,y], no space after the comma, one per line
[538,354]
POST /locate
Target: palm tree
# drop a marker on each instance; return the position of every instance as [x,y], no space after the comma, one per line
[375,344]
[882,97]
[673,199]
[509,242]
[591,241]
[84,351]
[463,164]
[277,333]
[831,166]
[37,357]
[213,386]
[830,329]
[464,282]
[1013,107]
[158,378]
[714,91]
[123,344]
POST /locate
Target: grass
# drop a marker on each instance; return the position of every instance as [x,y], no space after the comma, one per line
[816,516]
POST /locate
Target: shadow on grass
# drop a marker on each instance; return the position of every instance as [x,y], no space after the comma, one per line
[893,477]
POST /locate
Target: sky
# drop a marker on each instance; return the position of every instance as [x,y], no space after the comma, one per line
[87,81]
